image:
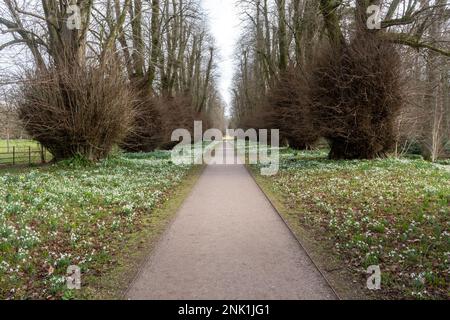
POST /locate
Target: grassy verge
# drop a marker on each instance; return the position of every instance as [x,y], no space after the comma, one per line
[114,283]
[68,214]
[392,213]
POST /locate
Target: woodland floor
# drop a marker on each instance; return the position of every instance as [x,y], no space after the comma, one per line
[77,214]
[389,212]
[226,240]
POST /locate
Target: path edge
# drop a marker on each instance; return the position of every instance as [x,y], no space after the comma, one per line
[294,235]
[116,284]
[181,198]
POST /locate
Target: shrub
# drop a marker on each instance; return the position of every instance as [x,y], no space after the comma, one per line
[79,112]
[415,148]
[176,112]
[145,134]
[289,110]
[156,119]
[356,97]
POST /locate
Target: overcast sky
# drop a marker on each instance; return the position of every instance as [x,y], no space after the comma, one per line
[224,22]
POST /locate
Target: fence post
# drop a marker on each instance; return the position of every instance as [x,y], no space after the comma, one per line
[14,155]
[42,154]
[29,155]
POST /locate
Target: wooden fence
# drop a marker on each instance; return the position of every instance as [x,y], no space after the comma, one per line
[15,155]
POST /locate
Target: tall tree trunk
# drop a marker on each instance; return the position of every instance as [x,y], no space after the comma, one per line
[155,49]
[207,79]
[282,36]
[331,21]
[138,41]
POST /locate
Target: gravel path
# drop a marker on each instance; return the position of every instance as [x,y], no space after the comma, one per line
[227,242]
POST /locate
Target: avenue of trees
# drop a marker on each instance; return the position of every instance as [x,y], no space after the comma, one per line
[325,69]
[110,72]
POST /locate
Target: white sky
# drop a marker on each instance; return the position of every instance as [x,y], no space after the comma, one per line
[224,26]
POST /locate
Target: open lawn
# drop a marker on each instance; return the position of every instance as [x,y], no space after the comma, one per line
[20,143]
[70,214]
[21,151]
[391,212]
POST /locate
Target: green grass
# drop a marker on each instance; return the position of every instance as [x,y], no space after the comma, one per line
[127,263]
[391,212]
[21,148]
[18,143]
[67,214]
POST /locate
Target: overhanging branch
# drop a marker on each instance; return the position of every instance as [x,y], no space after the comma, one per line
[413,42]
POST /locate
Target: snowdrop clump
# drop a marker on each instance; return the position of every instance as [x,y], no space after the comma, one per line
[68,214]
[392,212]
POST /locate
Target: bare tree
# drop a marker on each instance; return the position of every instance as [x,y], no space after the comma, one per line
[419,29]
[171,57]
